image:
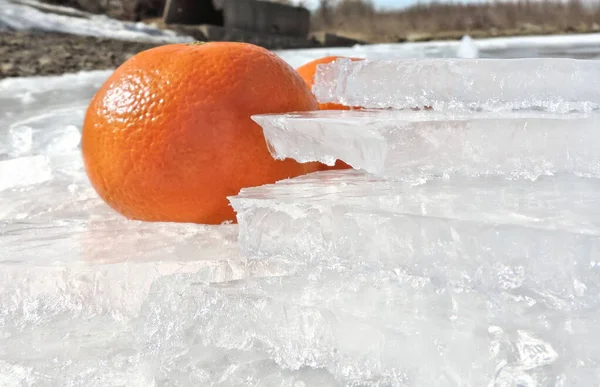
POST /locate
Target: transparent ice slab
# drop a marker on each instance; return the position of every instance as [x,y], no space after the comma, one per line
[375,328]
[484,233]
[554,85]
[415,146]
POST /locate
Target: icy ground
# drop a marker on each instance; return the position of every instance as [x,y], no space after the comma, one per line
[32,15]
[463,252]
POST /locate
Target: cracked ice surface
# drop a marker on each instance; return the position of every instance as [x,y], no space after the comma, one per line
[73,273]
[462,84]
[416,146]
[371,328]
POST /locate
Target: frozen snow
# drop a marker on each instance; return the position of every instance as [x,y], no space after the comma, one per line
[483,273]
[462,84]
[467,48]
[417,145]
[32,15]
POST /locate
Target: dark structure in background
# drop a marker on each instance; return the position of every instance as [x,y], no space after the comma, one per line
[269,24]
[258,16]
[266,17]
[261,22]
[193,12]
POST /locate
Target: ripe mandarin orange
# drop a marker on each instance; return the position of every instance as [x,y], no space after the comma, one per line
[307,72]
[169,136]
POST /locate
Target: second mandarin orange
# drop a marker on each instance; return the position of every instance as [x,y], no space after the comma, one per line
[308,70]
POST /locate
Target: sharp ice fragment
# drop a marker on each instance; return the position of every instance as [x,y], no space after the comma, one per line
[417,146]
[553,85]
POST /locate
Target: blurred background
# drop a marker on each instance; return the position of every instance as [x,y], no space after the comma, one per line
[55,36]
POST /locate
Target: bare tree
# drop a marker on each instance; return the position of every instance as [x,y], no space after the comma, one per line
[324,12]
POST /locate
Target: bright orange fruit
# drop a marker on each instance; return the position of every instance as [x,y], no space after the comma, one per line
[169,136]
[307,72]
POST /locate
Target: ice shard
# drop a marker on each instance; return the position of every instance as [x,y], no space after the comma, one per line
[554,85]
[416,146]
[492,233]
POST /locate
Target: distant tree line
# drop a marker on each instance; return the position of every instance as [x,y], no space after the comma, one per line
[360,18]
[428,20]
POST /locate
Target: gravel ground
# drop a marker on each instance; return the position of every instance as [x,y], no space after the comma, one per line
[27,54]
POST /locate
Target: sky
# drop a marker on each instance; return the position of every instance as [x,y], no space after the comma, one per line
[383,4]
[391,4]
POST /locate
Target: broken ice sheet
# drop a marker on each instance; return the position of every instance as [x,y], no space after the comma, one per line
[86,267]
[71,288]
[368,328]
[553,85]
[73,272]
[543,236]
[416,146]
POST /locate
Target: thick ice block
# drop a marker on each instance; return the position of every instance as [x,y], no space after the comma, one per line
[416,146]
[372,328]
[554,85]
[492,233]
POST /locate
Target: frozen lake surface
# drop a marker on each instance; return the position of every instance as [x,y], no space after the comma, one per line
[463,251]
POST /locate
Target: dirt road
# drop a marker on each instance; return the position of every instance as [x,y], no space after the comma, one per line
[27,54]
